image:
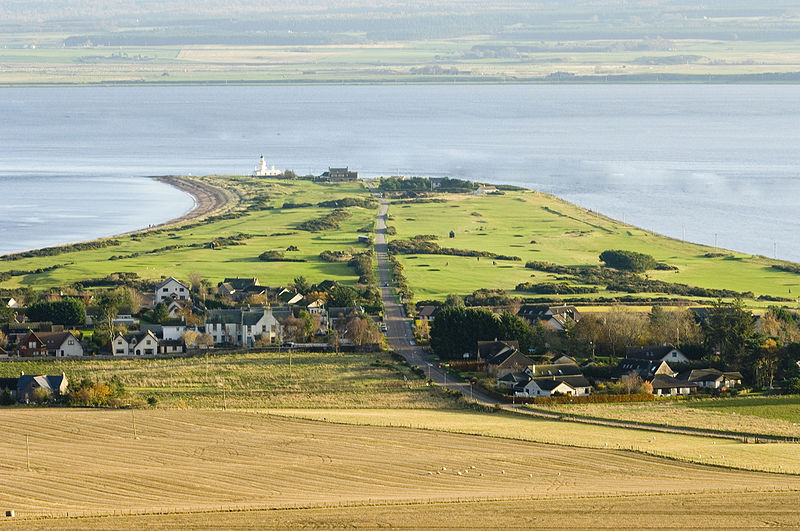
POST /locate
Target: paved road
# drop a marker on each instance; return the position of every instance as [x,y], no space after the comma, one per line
[399,331]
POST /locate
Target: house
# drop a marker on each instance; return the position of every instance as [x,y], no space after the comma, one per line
[666,385]
[325,285]
[125,317]
[262,170]
[576,385]
[513,379]
[555,370]
[178,308]
[18,331]
[242,327]
[120,346]
[489,349]
[242,287]
[713,378]
[61,344]
[643,368]
[428,312]
[563,359]
[484,190]
[142,344]
[12,303]
[335,175]
[316,307]
[32,345]
[654,353]
[508,361]
[557,318]
[172,289]
[286,296]
[27,384]
[171,346]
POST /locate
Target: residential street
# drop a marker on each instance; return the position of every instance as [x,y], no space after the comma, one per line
[400,333]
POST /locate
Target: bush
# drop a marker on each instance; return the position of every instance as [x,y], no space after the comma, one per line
[593,399]
[424,244]
[628,260]
[277,256]
[152,401]
[326,222]
[557,288]
[5,398]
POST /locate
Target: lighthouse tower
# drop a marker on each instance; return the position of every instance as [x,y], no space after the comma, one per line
[262,170]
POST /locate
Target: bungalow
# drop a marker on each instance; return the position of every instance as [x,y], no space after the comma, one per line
[289,297]
[508,361]
[61,344]
[27,384]
[171,346]
[557,318]
[172,289]
[576,385]
[489,349]
[655,353]
[12,303]
[32,345]
[242,327]
[428,312]
[555,370]
[714,379]
[666,385]
[644,368]
[316,307]
[234,286]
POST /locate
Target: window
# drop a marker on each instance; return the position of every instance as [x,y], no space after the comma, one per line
[165,290]
[70,342]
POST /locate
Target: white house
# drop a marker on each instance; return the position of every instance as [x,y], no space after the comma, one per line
[12,303]
[242,327]
[484,190]
[120,346]
[665,385]
[143,344]
[176,307]
[172,289]
[173,332]
[666,353]
[61,344]
[566,385]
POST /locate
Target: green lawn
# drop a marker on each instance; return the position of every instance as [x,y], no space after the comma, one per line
[272,229]
[536,226]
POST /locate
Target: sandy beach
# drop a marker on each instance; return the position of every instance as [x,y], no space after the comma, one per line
[207,199]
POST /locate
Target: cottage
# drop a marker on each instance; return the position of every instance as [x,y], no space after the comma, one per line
[656,353]
[428,312]
[556,318]
[555,370]
[12,303]
[714,379]
[142,344]
[178,308]
[489,349]
[61,344]
[643,368]
[53,385]
[171,346]
[242,327]
[485,190]
[172,289]
[120,346]
[665,385]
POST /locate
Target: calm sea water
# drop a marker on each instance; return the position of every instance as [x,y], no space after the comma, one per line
[704,161]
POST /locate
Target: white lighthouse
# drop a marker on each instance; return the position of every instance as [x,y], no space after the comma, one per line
[262,170]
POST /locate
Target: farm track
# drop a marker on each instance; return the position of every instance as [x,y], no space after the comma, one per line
[88,463]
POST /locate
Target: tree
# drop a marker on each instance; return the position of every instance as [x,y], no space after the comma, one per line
[204,341]
[767,363]
[515,328]
[456,331]
[628,260]
[161,313]
[301,285]
[342,296]
[730,328]
[454,301]
[361,330]
[299,328]
[69,312]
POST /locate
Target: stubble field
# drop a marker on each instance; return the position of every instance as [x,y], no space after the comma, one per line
[208,468]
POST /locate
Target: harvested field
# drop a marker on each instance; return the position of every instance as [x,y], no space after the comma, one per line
[773,457]
[664,511]
[88,462]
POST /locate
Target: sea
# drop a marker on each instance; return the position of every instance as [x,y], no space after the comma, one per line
[713,164]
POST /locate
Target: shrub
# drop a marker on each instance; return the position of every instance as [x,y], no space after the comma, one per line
[628,260]
[557,288]
[277,256]
[152,401]
[5,398]
[424,244]
[326,222]
[593,399]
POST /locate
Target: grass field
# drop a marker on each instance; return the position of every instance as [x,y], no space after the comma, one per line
[777,457]
[257,380]
[778,415]
[90,462]
[270,229]
[536,226]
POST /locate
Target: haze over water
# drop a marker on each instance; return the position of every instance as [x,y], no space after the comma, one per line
[701,159]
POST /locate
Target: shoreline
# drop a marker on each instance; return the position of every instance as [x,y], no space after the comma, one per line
[208,199]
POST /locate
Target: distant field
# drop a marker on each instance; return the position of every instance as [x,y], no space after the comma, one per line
[768,416]
[777,457]
[778,408]
[270,227]
[536,226]
[257,380]
[90,463]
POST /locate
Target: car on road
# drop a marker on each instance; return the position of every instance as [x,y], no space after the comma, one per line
[384,328]
[385,284]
